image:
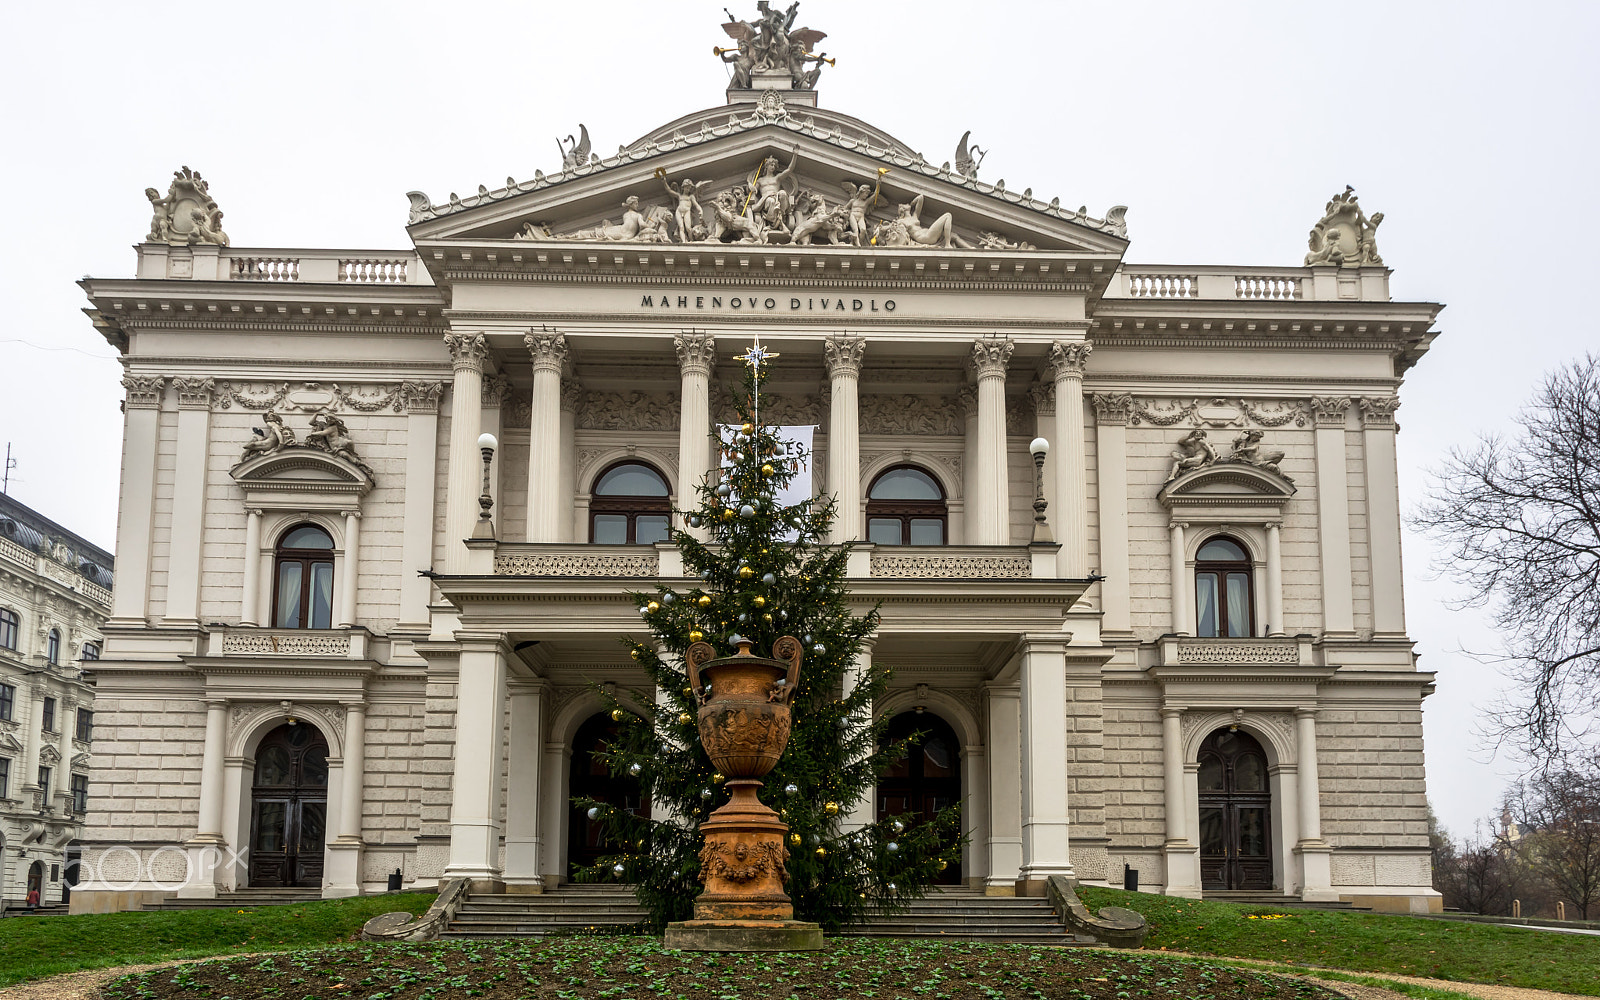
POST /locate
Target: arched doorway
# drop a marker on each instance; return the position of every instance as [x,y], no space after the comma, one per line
[1235,813]
[927,779]
[289,807]
[36,881]
[590,778]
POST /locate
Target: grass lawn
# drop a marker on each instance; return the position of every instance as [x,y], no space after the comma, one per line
[1368,942]
[637,968]
[34,947]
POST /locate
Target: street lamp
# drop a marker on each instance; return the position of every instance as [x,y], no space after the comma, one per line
[1041,531]
[485,529]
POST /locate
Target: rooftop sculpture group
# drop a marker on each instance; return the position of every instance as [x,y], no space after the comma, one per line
[328,433]
[772,44]
[187,215]
[1345,237]
[1195,452]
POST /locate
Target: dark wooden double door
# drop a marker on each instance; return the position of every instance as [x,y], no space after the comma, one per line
[1235,813]
[289,808]
[591,778]
[924,781]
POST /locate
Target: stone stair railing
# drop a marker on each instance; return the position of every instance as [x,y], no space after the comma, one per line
[402,926]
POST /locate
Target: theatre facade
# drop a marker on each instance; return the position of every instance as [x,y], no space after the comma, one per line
[347,639]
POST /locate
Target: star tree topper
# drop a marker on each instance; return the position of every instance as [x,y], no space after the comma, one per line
[755,357]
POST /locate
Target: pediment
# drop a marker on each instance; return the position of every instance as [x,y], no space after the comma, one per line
[301,478]
[1226,482]
[10,743]
[572,207]
[48,754]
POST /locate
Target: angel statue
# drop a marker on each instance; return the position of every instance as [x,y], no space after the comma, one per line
[274,438]
[772,200]
[859,201]
[771,43]
[683,214]
[328,433]
[743,61]
[1247,450]
[941,233]
[1193,452]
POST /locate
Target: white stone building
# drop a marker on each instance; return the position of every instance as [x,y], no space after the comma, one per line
[55,591]
[318,654]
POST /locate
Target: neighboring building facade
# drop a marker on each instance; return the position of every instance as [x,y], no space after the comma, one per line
[55,591]
[1204,675]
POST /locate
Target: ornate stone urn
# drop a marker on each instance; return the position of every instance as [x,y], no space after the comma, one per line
[744,719]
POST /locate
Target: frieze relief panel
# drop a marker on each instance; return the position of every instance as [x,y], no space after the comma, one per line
[654,411]
[910,414]
[1214,412]
[311,396]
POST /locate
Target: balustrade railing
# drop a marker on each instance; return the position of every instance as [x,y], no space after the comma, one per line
[1163,286]
[380,271]
[1248,286]
[264,269]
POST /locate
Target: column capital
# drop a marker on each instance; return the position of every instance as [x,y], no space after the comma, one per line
[571,394]
[1306,713]
[254,511]
[842,355]
[697,353]
[194,393]
[1378,411]
[990,356]
[495,391]
[548,351]
[1068,358]
[1273,525]
[144,391]
[1329,411]
[217,704]
[351,515]
[1180,525]
[1112,409]
[468,351]
[1043,395]
[356,705]
[1171,712]
[421,397]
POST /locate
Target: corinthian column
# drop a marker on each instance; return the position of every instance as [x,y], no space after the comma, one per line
[990,523]
[549,354]
[469,355]
[1067,361]
[843,356]
[697,355]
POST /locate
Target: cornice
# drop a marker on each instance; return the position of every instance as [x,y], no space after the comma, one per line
[228,367]
[746,278]
[635,321]
[291,326]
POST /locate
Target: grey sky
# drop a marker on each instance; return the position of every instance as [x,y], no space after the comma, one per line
[1224,127]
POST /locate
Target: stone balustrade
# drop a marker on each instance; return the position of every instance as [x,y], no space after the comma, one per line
[247,641]
[1274,284]
[1288,651]
[347,267]
[974,562]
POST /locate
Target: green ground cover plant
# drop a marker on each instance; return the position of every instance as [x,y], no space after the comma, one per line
[1366,942]
[638,968]
[35,947]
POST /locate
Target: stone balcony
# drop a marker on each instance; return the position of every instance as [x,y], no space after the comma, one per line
[247,641]
[867,562]
[278,266]
[1256,284]
[1273,651]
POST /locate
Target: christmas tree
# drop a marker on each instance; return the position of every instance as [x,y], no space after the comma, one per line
[766,573]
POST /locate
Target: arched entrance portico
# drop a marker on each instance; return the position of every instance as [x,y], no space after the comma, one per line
[1235,831]
[927,779]
[589,777]
[289,807]
[35,881]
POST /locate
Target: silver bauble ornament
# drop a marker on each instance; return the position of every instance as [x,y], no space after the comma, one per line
[791,788]
[594,812]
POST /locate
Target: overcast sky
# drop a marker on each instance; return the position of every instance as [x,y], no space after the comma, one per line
[1225,128]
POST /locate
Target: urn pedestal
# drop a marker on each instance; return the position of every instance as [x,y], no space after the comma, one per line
[744,725]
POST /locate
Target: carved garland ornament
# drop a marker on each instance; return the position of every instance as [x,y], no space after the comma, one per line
[740,862]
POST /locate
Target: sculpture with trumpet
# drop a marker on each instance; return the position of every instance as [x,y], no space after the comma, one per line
[771,44]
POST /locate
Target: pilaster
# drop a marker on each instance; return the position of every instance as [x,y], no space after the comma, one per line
[1046,822]
[1111,413]
[567,486]
[343,876]
[140,433]
[1315,855]
[474,813]
[523,787]
[1005,788]
[1333,515]
[842,354]
[416,542]
[188,500]
[1383,514]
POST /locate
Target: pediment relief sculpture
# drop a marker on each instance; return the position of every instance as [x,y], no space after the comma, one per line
[1194,452]
[328,433]
[187,215]
[1345,236]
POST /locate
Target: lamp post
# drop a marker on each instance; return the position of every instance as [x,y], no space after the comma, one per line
[485,528]
[1041,531]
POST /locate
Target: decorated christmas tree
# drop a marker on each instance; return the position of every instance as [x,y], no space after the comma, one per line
[765,572]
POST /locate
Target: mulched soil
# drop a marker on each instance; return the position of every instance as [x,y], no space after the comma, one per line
[637,967]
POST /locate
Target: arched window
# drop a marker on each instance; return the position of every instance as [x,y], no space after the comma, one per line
[53,647]
[8,628]
[629,506]
[1224,597]
[905,506]
[303,572]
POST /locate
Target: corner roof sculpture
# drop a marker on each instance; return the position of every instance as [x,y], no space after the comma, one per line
[772,46]
[1345,237]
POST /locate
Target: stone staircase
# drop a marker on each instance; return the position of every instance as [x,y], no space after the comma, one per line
[1251,897]
[950,914]
[242,899]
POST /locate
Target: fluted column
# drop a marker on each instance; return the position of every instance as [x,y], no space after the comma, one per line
[843,357]
[141,432]
[1181,590]
[991,523]
[469,355]
[549,354]
[1067,361]
[250,589]
[1275,578]
[567,487]
[697,356]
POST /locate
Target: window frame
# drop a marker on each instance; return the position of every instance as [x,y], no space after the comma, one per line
[631,506]
[8,702]
[10,629]
[306,559]
[80,793]
[1220,570]
[52,648]
[90,652]
[83,729]
[47,715]
[5,777]
[905,511]
[44,784]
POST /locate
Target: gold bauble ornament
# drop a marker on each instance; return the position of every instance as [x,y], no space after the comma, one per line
[704,600]
[652,607]
[695,635]
[745,572]
[747,428]
[832,808]
[617,714]
[688,691]
[767,470]
[684,718]
[759,601]
[943,864]
[727,514]
[717,779]
[794,840]
[822,852]
[767,618]
[634,652]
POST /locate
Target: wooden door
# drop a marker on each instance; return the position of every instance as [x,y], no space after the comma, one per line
[1235,813]
[590,777]
[927,779]
[289,808]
